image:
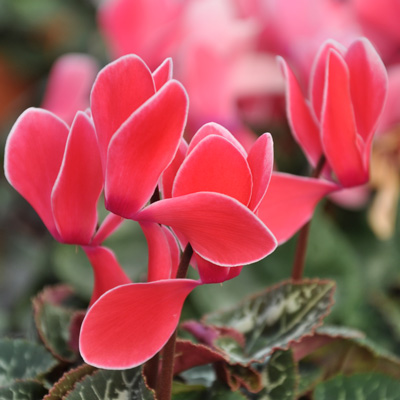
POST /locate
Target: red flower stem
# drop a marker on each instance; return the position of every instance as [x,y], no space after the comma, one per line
[301,248]
[151,371]
[164,383]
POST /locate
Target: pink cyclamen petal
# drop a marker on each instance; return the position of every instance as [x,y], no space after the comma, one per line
[173,250]
[120,88]
[168,176]
[33,155]
[159,254]
[142,148]
[215,129]
[261,163]
[219,228]
[69,84]
[215,165]
[131,323]
[108,274]
[290,203]
[303,125]
[78,185]
[211,273]
[318,72]
[109,225]
[163,73]
[368,86]
[339,135]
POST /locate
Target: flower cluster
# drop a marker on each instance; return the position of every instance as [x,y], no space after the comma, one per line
[210,196]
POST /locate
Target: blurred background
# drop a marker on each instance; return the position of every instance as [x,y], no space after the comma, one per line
[224,53]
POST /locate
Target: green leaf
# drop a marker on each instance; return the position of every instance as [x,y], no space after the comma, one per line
[197,392]
[23,390]
[20,359]
[354,355]
[68,381]
[279,377]
[54,310]
[309,376]
[273,319]
[107,385]
[366,386]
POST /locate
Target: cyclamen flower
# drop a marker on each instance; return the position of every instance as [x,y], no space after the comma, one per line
[139,118]
[215,162]
[210,207]
[347,95]
[57,169]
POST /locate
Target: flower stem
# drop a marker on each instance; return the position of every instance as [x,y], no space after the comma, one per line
[164,383]
[151,370]
[301,248]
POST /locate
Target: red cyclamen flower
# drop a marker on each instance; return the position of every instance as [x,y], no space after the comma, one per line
[57,169]
[139,118]
[347,94]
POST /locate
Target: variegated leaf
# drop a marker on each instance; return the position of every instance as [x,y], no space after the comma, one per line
[366,386]
[273,319]
[67,382]
[198,392]
[279,377]
[23,390]
[54,310]
[20,359]
[106,385]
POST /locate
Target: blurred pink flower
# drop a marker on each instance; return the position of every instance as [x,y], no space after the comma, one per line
[215,73]
[295,30]
[69,84]
[379,20]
